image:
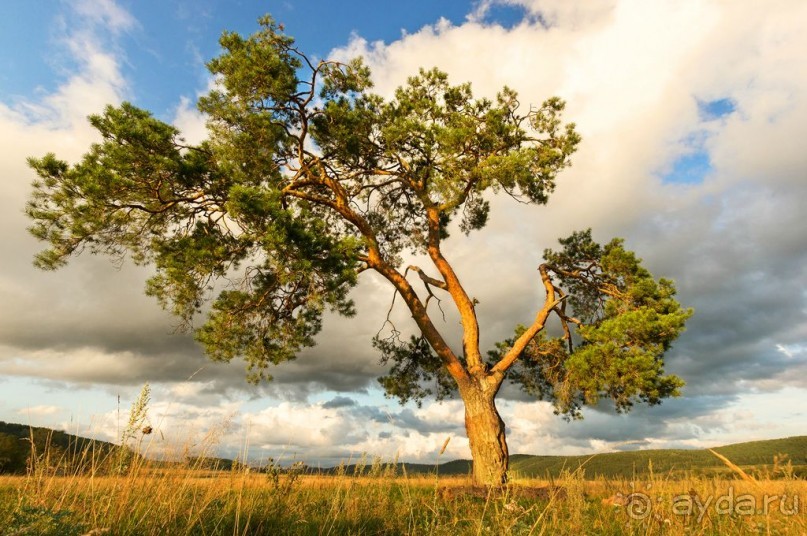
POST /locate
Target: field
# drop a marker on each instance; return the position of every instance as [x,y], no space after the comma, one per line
[149,499]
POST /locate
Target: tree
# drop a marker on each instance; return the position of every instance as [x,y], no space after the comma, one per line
[13,454]
[307,180]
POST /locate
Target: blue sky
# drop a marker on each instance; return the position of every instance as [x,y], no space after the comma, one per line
[692,115]
[168,43]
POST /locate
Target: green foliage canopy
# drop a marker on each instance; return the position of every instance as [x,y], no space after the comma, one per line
[307,179]
[299,179]
[625,322]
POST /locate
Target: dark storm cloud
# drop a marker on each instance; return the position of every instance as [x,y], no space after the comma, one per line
[339,402]
[643,422]
[745,283]
[742,265]
[409,419]
[50,327]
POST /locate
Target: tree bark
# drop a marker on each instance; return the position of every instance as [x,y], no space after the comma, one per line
[485,430]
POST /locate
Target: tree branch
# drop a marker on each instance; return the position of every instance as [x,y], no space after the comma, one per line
[465,306]
[427,282]
[538,324]
[376,261]
[565,319]
[421,317]
[426,279]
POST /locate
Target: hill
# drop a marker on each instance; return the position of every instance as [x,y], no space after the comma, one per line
[19,441]
[754,457]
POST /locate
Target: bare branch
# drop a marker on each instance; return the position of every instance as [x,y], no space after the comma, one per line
[426,279]
[537,326]
[421,317]
[387,318]
[565,319]
[427,282]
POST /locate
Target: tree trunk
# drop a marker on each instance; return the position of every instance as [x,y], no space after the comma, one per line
[485,430]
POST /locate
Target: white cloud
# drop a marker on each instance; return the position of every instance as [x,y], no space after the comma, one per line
[189,120]
[191,123]
[38,411]
[792,350]
[633,74]
[54,122]
[106,13]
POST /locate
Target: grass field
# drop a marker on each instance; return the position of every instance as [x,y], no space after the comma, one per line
[176,500]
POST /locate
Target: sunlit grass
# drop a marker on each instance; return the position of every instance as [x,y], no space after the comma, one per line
[150,498]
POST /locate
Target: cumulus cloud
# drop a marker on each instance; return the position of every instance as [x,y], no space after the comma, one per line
[343,430]
[107,13]
[636,77]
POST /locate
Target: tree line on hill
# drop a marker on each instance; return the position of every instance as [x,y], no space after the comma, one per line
[24,448]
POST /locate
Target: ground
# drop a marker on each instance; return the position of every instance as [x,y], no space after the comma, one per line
[181,500]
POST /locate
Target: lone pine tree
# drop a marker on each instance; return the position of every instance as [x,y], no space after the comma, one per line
[307,180]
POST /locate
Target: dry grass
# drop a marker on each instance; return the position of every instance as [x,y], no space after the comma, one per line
[187,500]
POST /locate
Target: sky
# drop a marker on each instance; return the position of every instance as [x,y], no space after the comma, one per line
[693,116]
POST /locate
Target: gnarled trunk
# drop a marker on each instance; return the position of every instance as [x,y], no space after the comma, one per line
[485,430]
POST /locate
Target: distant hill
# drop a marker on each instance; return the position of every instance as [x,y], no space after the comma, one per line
[53,447]
[62,453]
[756,457]
[54,437]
